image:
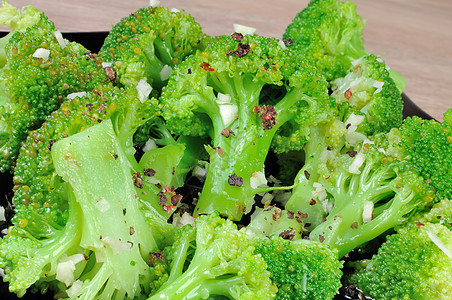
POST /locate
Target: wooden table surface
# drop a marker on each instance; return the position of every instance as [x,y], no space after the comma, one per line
[414,37]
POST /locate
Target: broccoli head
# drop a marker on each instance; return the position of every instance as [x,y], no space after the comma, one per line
[149,43]
[219,93]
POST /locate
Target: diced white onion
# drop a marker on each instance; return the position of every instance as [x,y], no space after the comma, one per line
[74,289]
[154,3]
[244,29]
[144,90]
[319,192]
[75,95]
[2,272]
[258,180]
[117,245]
[354,121]
[224,99]
[2,214]
[102,205]
[266,198]
[357,163]
[149,145]
[281,43]
[357,61]
[165,72]
[199,172]
[106,64]
[184,219]
[175,10]
[379,85]
[66,267]
[62,41]
[368,210]
[438,242]
[228,113]
[42,53]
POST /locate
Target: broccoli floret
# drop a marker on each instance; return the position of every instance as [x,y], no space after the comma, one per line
[218,93]
[414,263]
[439,213]
[42,68]
[17,20]
[214,258]
[329,32]
[149,43]
[383,182]
[368,103]
[301,269]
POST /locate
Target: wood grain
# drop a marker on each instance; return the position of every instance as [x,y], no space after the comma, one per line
[413,36]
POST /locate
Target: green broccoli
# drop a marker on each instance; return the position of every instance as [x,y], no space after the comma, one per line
[147,44]
[383,182]
[41,70]
[214,258]
[17,20]
[329,33]
[414,263]
[301,269]
[368,103]
[218,93]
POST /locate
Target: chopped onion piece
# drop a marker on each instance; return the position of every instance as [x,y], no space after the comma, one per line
[184,219]
[165,72]
[319,192]
[267,198]
[66,267]
[357,61]
[75,95]
[379,85]
[144,90]
[354,121]
[2,214]
[106,64]
[102,205]
[199,172]
[62,41]
[258,180]
[2,273]
[244,29]
[438,242]
[228,113]
[175,10]
[224,99]
[149,145]
[117,245]
[368,211]
[154,3]
[281,43]
[74,289]
[357,163]
[42,53]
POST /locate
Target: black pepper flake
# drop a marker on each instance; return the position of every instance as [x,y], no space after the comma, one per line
[276,214]
[131,230]
[242,50]
[173,171]
[235,180]
[156,256]
[306,174]
[149,172]
[189,71]
[89,56]
[312,202]
[162,197]
[110,73]
[227,132]
[352,153]
[267,113]
[329,148]
[115,156]
[175,200]
[51,142]
[288,234]
[290,214]
[124,211]
[288,42]
[321,238]
[307,224]
[237,36]
[348,126]
[138,180]
[354,225]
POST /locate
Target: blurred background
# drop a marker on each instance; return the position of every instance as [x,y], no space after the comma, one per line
[412,36]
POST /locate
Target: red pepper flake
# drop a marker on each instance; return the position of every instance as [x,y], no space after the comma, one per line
[348,94]
[352,153]
[428,181]
[235,180]
[276,214]
[219,151]
[206,67]
[312,202]
[236,117]
[356,68]
[398,187]
[418,224]
[101,107]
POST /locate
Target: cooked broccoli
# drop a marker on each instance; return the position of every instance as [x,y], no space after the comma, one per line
[41,69]
[54,221]
[219,93]
[149,43]
[382,182]
[301,269]
[414,263]
[329,33]
[214,258]
[368,103]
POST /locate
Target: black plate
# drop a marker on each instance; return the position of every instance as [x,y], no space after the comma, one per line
[93,41]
